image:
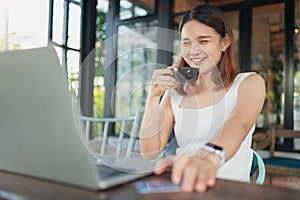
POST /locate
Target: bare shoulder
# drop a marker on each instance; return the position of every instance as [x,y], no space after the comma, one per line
[254,78]
[253,84]
[254,81]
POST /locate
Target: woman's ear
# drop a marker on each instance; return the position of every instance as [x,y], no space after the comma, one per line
[225,42]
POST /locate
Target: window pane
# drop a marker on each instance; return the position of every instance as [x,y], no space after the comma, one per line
[58,9]
[183,6]
[130,9]
[59,53]
[297,72]
[233,20]
[74,26]
[78,1]
[73,69]
[21,30]
[223,2]
[102,5]
[99,88]
[267,57]
[137,54]
[176,39]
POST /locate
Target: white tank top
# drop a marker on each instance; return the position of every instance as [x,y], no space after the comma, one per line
[195,127]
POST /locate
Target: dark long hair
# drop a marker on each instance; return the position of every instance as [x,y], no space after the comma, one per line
[213,17]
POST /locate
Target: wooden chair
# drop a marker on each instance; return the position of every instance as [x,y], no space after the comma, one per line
[262,138]
[276,165]
[282,165]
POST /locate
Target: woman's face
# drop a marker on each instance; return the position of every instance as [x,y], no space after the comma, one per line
[202,46]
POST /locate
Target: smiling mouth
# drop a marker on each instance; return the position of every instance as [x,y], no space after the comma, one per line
[198,59]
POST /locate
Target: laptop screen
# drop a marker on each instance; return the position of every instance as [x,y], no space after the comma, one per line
[38,136]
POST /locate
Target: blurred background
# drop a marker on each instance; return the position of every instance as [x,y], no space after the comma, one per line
[123,41]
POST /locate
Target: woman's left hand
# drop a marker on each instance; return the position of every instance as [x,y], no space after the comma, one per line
[194,173]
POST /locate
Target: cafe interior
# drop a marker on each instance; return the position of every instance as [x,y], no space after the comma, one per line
[109,49]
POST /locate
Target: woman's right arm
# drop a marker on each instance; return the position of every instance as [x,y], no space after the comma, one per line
[158,119]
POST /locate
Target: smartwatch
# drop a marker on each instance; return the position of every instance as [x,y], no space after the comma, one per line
[216,150]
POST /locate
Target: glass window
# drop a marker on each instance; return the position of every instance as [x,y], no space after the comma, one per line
[68,53]
[136,60]
[183,6]
[297,73]
[101,27]
[102,5]
[267,57]
[233,20]
[23,24]
[58,13]
[138,8]
[59,53]
[73,69]
[74,26]
[297,68]
[223,2]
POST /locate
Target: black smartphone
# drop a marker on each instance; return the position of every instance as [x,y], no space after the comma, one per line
[186,74]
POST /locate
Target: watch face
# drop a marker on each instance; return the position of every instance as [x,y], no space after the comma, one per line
[214,146]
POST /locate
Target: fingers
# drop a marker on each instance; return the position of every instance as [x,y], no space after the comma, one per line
[166,82]
[190,178]
[192,173]
[164,72]
[163,75]
[162,79]
[178,168]
[206,178]
[173,66]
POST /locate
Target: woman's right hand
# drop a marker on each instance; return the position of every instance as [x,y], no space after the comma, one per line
[162,80]
[193,173]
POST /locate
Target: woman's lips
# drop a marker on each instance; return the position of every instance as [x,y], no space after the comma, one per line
[197,61]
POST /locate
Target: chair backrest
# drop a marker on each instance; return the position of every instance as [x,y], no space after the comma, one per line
[134,134]
[96,134]
[282,133]
[262,138]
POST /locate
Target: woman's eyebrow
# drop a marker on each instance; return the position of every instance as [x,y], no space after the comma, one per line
[204,37]
[199,37]
[185,39]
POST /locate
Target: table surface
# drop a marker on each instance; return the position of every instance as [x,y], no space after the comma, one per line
[17,187]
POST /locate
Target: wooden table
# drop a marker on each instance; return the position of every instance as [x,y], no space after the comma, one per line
[18,187]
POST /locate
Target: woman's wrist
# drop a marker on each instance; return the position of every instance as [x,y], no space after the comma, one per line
[213,153]
[211,157]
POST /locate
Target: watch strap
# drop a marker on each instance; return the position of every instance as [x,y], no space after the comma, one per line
[213,148]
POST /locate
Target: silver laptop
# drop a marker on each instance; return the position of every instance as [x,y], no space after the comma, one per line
[38,133]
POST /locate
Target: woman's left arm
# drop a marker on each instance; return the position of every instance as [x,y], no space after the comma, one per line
[251,96]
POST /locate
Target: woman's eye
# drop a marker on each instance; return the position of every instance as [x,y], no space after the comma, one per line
[203,41]
[186,43]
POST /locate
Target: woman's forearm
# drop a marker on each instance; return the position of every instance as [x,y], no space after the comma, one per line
[157,126]
[158,118]
[149,133]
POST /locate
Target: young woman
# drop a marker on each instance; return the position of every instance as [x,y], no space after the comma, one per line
[213,117]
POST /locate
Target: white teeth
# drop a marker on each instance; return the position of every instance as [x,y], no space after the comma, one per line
[197,59]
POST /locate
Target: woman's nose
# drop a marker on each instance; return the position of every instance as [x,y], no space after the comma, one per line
[195,48]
